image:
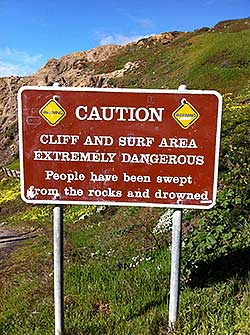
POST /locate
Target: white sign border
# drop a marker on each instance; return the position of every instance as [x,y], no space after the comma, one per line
[113,90]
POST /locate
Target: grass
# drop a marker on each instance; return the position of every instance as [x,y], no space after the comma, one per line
[116,296]
[220,309]
[117,283]
[15,164]
[115,287]
[9,190]
[200,59]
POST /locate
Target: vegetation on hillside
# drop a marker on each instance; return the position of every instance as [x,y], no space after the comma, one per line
[201,60]
[117,260]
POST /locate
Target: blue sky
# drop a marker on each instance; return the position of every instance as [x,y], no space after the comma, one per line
[34,31]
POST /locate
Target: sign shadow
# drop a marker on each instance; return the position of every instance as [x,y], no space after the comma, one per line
[235,263]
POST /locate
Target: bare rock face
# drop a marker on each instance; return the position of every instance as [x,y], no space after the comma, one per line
[69,70]
[162,38]
[8,117]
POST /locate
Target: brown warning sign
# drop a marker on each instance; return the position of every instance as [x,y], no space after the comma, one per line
[119,146]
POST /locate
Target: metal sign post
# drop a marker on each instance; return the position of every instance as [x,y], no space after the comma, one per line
[175,261]
[58,269]
[175,267]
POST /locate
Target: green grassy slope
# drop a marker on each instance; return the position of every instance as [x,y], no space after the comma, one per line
[201,60]
[117,262]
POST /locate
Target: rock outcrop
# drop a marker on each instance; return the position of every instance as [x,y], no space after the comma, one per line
[76,69]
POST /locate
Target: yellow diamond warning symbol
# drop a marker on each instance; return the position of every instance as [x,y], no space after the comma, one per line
[52,112]
[185,114]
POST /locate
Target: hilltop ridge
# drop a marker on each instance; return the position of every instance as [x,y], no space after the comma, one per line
[204,58]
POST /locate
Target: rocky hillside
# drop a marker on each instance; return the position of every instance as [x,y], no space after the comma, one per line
[208,58]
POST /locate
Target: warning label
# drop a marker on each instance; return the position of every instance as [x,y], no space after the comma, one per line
[52,112]
[186,114]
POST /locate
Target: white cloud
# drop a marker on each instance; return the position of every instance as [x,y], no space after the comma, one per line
[140,21]
[121,39]
[7,70]
[18,63]
[144,23]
